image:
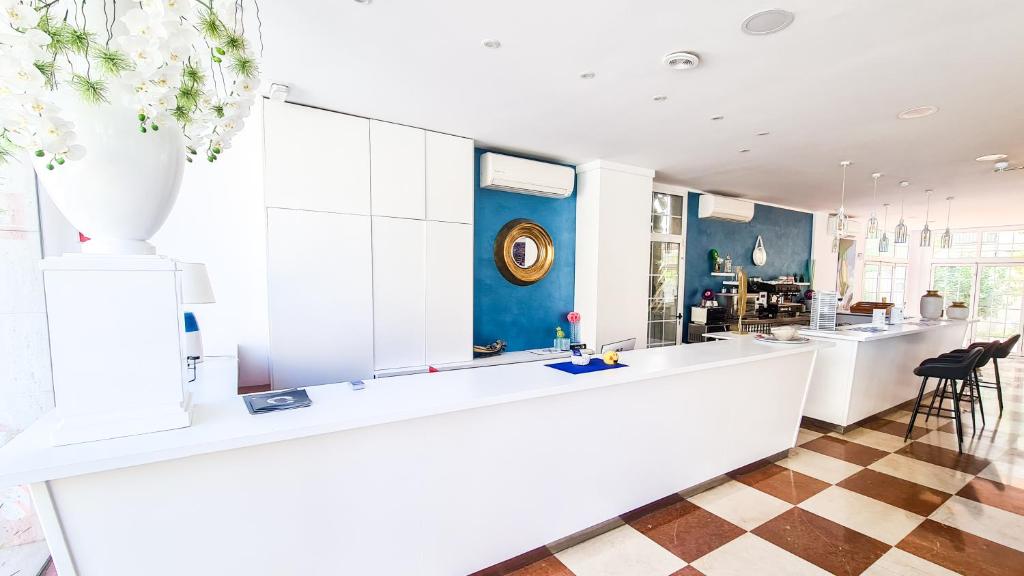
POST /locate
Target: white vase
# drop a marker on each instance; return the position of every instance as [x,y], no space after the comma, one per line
[958,311]
[931,305]
[122,191]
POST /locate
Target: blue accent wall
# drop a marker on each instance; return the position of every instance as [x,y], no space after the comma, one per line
[523,316]
[786,235]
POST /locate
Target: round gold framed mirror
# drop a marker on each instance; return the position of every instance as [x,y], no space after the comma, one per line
[523,252]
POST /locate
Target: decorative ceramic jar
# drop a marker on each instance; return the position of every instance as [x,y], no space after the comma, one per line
[958,311]
[121,192]
[931,305]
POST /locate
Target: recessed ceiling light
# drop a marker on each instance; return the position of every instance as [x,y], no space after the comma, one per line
[491,43]
[744,150]
[718,117]
[681,60]
[588,75]
[660,98]
[767,22]
[363,1]
[904,183]
[917,112]
[763,133]
[991,158]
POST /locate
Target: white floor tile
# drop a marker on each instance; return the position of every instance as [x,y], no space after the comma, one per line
[1006,470]
[866,515]
[977,446]
[904,416]
[872,438]
[819,466]
[749,555]
[992,523]
[896,562]
[740,504]
[620,552]
[924,473]
[805,435]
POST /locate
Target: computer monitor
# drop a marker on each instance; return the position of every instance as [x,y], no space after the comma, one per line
[620,346]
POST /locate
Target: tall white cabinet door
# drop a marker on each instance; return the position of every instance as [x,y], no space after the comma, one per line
[316,160]
[449,292]
[449,178]
[320,281]
[397,170]
[398,292]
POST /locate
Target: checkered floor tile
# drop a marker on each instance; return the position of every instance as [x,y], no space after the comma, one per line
[865,502]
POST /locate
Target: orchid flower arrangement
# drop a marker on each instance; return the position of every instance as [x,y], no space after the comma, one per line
[187,62]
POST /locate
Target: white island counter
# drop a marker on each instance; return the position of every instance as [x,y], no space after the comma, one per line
[427,474]
[869,372]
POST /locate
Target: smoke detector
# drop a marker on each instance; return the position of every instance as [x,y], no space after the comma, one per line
[681,60]
[767,22]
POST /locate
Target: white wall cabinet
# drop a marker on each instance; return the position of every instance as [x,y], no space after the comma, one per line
[449,190]
[449,293]
[399,292]
[316,160]
[320,287]
[370,246]
[397,170]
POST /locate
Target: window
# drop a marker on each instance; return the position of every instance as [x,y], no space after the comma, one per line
[964,245]
[954,282]
[896,251]
[1002,244]
[667,214]
[885,282]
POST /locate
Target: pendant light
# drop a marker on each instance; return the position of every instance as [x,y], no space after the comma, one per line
[873,221]
[926,232]
[946,240]
[841,218]
[883,244]
[900,235]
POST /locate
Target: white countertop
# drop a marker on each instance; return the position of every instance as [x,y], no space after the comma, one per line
[226,424]
[854,332]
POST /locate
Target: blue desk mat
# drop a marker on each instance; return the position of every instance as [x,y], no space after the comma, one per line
[596,365]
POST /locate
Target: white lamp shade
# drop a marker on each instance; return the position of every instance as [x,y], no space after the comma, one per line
[195,284]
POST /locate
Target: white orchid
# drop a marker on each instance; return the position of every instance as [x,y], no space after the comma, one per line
[183,62]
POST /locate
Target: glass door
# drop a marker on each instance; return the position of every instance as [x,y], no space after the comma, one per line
[663,317]
[664,300]
[1000,301]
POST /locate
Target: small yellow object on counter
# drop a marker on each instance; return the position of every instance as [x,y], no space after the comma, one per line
[611,357]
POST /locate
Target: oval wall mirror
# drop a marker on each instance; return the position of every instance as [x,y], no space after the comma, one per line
[523,252]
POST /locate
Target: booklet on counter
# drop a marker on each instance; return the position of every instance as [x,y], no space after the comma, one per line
[277,400]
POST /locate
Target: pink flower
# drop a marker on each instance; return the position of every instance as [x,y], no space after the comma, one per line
[573,317]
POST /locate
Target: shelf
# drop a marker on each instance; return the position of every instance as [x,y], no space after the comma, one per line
[731,283]
[729,274]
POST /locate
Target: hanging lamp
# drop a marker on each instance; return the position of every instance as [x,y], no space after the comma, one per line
[883,244]
[873,221]
[841,218]
[926,232]
[900,235]
[946,240]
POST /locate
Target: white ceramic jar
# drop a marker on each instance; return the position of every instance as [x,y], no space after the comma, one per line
[958,311]
[931,305]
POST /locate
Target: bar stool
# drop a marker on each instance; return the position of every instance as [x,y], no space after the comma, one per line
[948,370]
[972,385]
[1002,351]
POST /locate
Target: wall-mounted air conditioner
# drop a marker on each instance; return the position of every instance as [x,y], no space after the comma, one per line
[853,227]
[511,174]
[724,208]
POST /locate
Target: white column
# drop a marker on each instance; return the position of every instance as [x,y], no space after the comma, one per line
[613,230]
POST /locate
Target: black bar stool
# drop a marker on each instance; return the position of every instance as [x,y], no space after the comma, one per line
[1002,351]
[972,385]
[948,370]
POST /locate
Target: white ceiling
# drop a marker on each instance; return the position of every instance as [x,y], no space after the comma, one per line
[828,88]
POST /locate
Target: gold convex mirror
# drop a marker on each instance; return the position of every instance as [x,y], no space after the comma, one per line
[523,252]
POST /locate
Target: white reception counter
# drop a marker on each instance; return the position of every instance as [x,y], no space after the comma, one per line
[869,372]
[456,470]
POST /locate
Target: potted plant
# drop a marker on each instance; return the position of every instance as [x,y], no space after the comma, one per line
[111,100]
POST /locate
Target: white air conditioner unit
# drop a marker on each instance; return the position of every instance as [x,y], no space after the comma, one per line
[853,227]
[511,174]
[723,208]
